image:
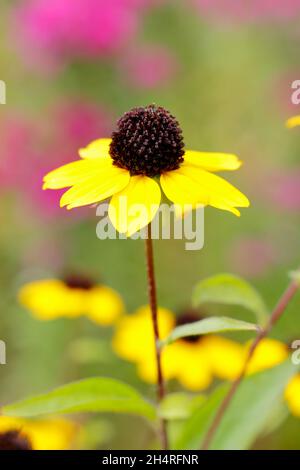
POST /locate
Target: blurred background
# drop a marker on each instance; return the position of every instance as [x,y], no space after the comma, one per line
[224,69]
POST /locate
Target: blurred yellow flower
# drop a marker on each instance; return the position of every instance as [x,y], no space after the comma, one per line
[46,434]
[193,361]
[52,298]
[147,144]
[293,121]
[292,395]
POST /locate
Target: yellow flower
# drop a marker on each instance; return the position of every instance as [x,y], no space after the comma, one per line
[46,434]
[195,361]
[292,395]
[146,149]
[192,361]
[52,298]
[292,122]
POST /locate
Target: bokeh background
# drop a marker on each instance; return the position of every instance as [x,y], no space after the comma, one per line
[225,69]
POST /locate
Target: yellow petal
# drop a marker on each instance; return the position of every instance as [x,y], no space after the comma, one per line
[226,357]
[212,161]
[181,210]
[104,305]
[189,364]
[269,353]
[50,298]
[147,366]
[134,337]
[182,190]
[190,185]
[97,149]
[96,188]
[293,122]
[292,395]
[75,172]
[133,208]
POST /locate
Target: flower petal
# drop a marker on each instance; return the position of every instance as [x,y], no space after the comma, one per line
[189,364]
[104,305]
[226,357]
[134,338]
[133,208]
[269,353]
[74,172]
[97,149]
[292,395]
[182,190]
[212,161]
[50,298]
[293,121]
[96,188]
[190,185]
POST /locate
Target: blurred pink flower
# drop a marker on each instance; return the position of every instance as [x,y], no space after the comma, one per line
[248,10]
[17,135]
[283,189]
[28,152]
[149,67]
[78,123]
[252,257]
[81,28]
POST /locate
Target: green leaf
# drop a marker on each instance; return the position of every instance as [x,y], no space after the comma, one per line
[249,412]
[195,427]
[89,395]
[209,325]
[231,290]
[179,405]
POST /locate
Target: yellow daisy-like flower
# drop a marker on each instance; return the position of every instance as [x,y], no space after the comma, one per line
[46,434]
[146,145]
[293,121]
[76,295]
[193,361]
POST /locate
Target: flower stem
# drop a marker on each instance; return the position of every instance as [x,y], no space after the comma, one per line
[154,316]
[276,314]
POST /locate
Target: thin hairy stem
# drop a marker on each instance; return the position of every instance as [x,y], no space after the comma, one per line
[276,314]
[154,316]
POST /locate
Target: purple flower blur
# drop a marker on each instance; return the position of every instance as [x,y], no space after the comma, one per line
[29,150]
[148,67]
[283,192]
[82,28]
[252,257]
